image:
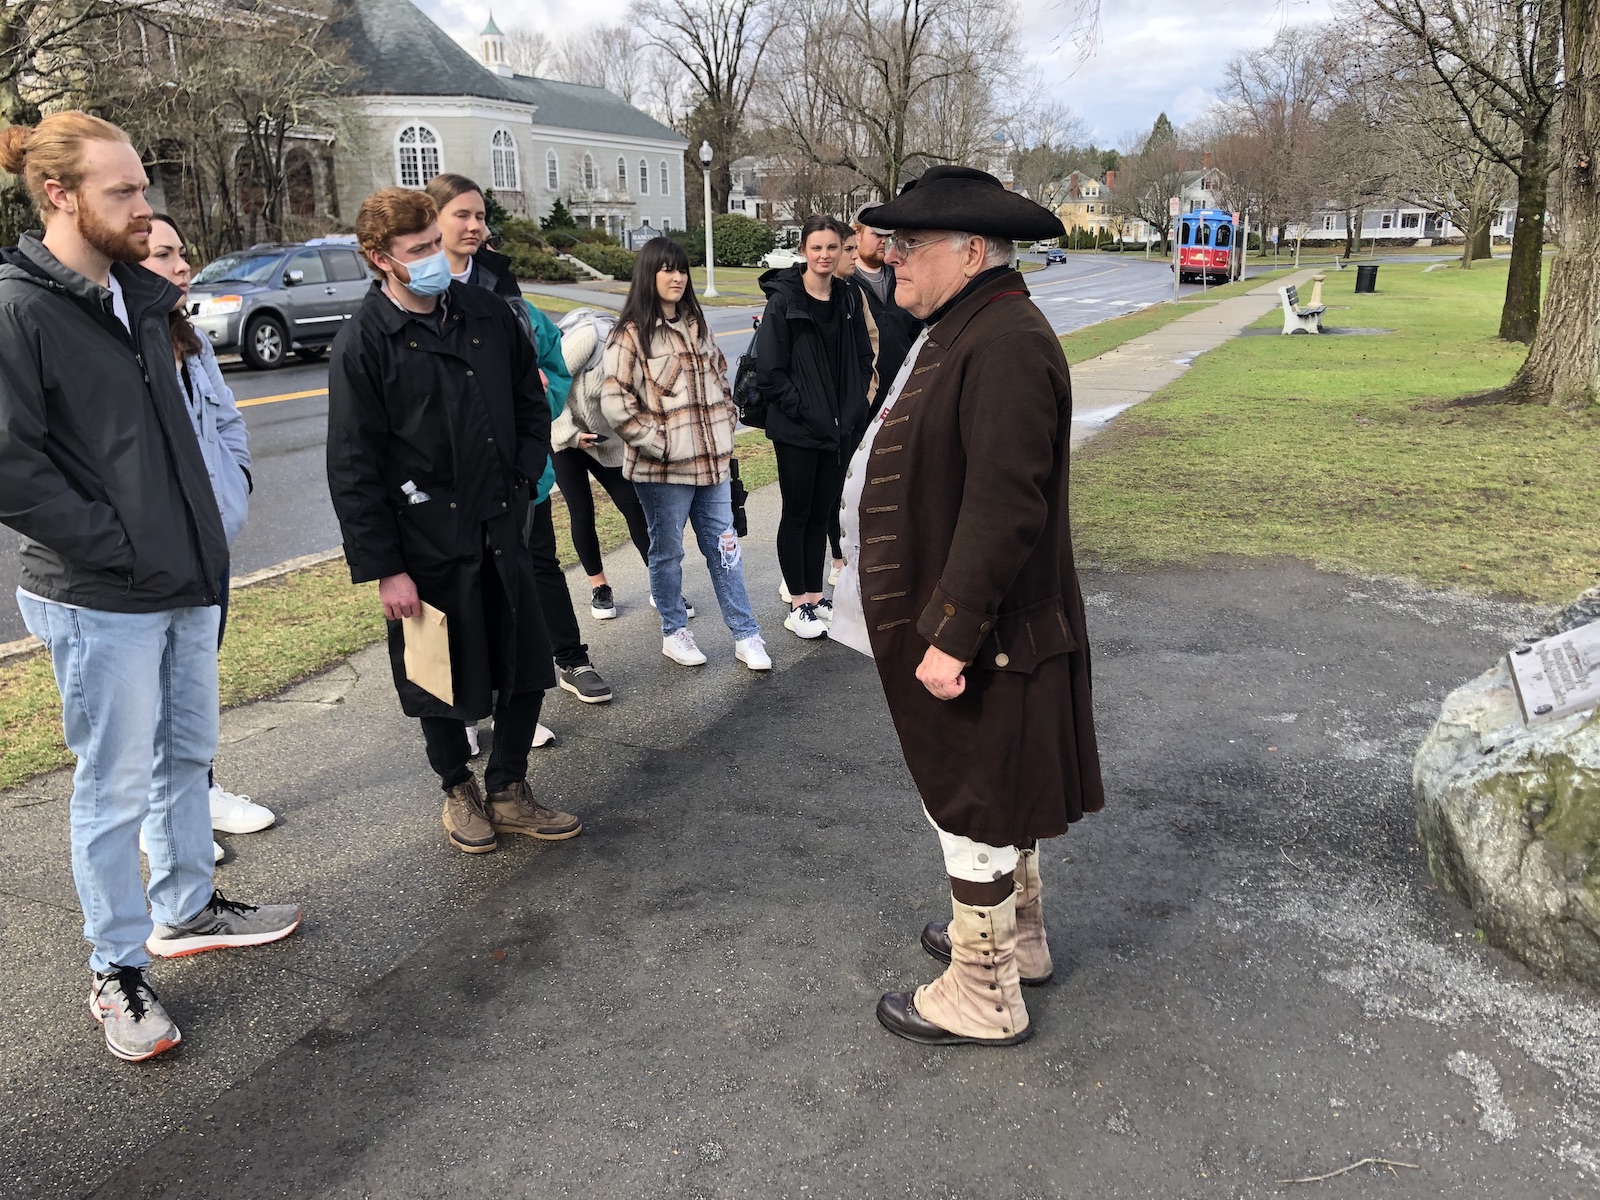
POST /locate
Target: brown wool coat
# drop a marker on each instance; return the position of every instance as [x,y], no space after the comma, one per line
[965,544]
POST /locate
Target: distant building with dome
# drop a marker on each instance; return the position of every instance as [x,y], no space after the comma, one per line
[427,105]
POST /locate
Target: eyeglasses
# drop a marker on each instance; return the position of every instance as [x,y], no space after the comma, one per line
[905,247]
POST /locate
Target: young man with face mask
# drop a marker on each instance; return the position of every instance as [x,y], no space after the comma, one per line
[438,432]
[102,475]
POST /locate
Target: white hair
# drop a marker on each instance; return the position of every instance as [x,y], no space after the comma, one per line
[997,251]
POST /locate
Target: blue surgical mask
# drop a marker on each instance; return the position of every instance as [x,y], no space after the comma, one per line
[429,276]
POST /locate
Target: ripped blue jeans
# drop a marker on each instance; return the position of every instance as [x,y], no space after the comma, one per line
[667,508]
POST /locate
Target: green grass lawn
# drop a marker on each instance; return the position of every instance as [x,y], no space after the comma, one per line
[279,632]
[1347,452]
[735,286]
[1094,340]
[553,304]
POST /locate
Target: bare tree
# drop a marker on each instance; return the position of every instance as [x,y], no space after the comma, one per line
[613,57]
[233,114]
[1500,58]
[1046,138]
[886,87]
[1281,97]
[1149,174]
[531,51]
[719,46]
[48,48]
[1563,367]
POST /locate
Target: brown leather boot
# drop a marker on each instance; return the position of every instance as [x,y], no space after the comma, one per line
[516,811]
[466,817]
[979,999]
[1034,966]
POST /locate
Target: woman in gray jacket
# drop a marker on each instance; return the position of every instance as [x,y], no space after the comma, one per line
[583,444]
[225,445]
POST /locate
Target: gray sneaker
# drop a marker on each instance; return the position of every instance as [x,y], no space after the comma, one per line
[136,1025]
[223,924]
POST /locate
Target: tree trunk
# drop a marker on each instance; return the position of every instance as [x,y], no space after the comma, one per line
[1481,243]
[1564,365]
[1519,318]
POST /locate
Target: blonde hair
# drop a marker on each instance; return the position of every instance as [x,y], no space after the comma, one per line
[53,149]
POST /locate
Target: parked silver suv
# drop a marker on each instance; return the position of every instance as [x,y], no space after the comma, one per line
[273,298]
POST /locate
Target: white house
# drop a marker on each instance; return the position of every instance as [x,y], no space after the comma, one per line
[427,106]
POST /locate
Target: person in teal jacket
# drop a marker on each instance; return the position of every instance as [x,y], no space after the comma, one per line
[463,220]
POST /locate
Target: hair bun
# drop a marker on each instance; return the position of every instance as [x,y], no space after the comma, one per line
[12,154]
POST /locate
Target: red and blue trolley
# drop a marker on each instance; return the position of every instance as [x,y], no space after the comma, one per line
[1206,243]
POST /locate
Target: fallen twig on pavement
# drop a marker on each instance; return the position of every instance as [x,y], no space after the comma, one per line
[1375,1162]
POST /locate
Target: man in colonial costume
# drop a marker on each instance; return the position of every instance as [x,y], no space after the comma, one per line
[960,584]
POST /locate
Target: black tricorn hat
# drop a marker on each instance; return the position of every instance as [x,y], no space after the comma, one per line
[964,200]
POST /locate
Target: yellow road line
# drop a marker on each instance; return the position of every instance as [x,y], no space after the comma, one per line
[279,399]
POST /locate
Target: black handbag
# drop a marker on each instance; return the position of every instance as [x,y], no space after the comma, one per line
[737,494]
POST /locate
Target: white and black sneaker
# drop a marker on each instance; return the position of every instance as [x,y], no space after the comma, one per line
[224,924]
[135,1024]
[804,622]
[602,604]
[585,683]
[824,609]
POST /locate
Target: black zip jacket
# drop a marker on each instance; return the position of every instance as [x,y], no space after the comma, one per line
[806,407]
[100,470]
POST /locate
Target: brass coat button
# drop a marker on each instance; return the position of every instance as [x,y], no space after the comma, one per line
[949,610]
[1002,660]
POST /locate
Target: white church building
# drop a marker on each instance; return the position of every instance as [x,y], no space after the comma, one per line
[427,105]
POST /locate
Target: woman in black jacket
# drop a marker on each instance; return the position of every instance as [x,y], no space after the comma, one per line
[813,366]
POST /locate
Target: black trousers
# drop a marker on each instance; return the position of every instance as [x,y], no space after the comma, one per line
[811,483]
[560,622]
[516,719]
[573,468]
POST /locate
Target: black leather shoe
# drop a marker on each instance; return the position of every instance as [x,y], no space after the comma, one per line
[898,1014]
[936,941]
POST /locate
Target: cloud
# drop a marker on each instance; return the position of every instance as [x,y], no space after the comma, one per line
[1151,56]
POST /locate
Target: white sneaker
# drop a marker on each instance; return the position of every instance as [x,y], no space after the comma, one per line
[833,575]
[783,592]
[216,851]
[824,609]
[473,749]
[804,622]
[680,648]
[752,652]
[238,814]
[542,734]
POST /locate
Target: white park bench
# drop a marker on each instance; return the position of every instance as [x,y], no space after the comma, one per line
[1297,319]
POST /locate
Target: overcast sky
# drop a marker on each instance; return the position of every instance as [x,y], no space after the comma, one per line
[1151,56]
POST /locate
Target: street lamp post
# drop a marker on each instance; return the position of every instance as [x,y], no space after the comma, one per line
[711,250]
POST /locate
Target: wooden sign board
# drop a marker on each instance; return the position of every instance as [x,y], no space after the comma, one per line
[1558,676]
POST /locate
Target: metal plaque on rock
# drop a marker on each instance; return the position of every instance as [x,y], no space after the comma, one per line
[1558,676]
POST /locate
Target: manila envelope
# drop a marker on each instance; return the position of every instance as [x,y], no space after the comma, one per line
[428,652]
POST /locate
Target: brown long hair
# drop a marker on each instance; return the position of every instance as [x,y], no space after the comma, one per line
[186,339]
[52,149]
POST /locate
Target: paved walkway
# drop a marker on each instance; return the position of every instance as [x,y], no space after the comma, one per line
[1120,378]
[1255,979]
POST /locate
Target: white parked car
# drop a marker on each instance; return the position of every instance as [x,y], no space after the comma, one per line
[781,258]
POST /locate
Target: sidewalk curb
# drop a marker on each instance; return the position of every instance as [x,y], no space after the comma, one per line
[27,645]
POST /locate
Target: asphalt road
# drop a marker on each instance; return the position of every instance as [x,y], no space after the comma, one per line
[1255,980]
[287,409]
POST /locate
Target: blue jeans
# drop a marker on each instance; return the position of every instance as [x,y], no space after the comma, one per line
[139,707]
[667,507]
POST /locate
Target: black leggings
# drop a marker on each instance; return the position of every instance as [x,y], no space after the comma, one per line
[573,468]
[516,720]
[555,602]
[811,483]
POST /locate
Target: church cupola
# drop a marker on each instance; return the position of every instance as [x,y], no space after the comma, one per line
[492,45]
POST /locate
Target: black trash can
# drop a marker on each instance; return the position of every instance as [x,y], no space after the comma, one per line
[1367,278]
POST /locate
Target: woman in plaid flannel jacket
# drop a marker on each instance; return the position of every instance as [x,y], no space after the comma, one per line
[666,394]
